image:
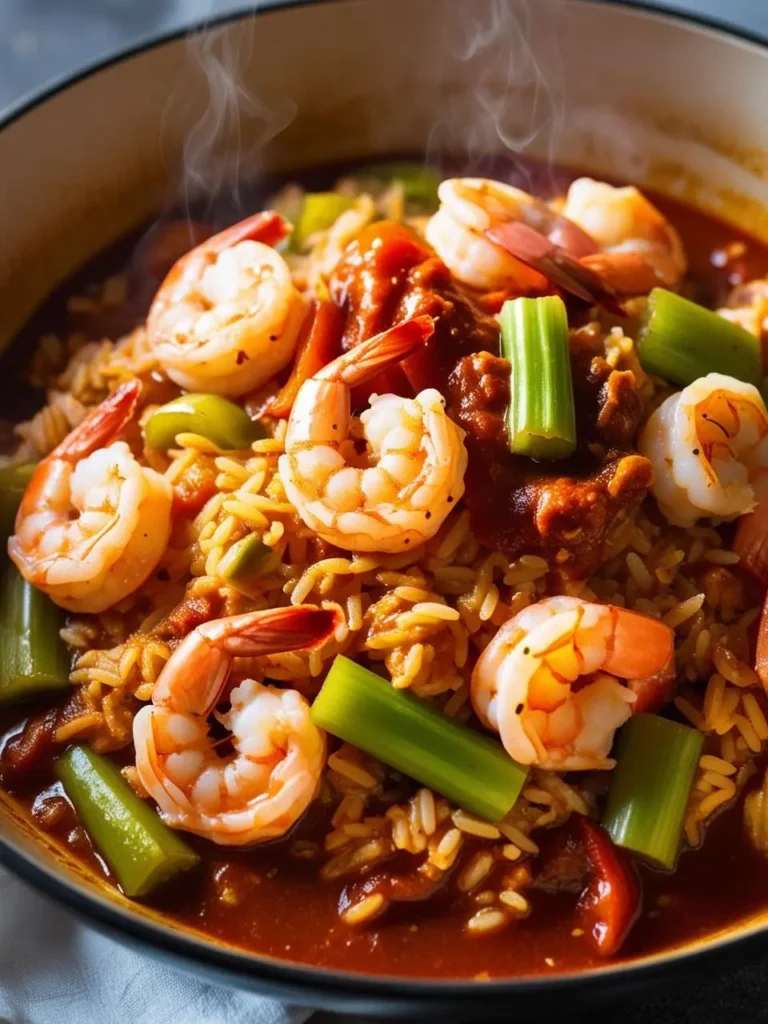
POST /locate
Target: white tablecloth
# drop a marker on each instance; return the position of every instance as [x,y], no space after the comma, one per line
[54,970]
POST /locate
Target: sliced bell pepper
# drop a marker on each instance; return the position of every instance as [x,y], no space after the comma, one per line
[610,904]
[320,342]
[244,562]
[220,421]
[318,212]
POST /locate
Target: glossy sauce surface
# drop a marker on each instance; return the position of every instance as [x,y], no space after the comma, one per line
[269,901]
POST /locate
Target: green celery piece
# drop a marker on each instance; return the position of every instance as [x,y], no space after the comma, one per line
[470,769]
[318,212]
[33,658]
[656,762]
[13,480]
[141,851]
[681,341]
[220,421]
[534,338]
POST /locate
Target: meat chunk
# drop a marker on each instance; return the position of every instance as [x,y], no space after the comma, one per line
[563,510]
[29,748]
[192,611]
[388,275]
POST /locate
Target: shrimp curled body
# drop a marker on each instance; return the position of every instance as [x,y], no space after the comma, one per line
[485,229]
[472,206]
[708,445]
[227,316]
[639,248]
[260,790]
[529,683]
[415,464]
[93,523]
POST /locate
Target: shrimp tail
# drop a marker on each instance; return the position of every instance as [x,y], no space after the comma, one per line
[102,425]
[368,358]
[624,273]
[654,691]
[558,266]
[273,630]
[266,226]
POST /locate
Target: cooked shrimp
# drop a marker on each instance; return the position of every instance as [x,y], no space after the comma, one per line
[708,445]
[262,788]
[639,247]
[227,316]
[414,471]
[470,207]
[93,523]
[524,685]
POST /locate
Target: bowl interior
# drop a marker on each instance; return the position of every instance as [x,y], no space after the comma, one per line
[613,89]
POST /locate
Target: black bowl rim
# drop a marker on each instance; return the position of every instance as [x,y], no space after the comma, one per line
[310,985]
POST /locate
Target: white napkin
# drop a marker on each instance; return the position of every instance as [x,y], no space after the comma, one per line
[54,970]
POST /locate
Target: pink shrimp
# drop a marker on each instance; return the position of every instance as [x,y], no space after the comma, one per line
[93,523]
[529,684]
[227,316]
[260,789]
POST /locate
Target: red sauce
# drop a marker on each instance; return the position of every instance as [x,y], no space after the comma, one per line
[273,902]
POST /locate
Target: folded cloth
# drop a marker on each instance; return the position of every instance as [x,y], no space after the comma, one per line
[54,970]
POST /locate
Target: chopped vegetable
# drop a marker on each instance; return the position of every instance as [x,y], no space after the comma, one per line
[318,212]
[418,182]
[218,420]
[534,338]
[761,654]
[472,770]
[682,341]
[33,658]
[656,763]
[320,342]
[139,848]
[750,542]
[244,561]
[13,481]
[609,905]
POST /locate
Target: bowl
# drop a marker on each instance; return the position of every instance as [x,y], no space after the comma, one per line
[622,90]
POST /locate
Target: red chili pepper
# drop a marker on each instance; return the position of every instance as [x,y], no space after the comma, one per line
[609,905]
[320,342]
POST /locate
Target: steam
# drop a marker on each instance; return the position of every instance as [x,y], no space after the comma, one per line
[224,148]
[517,57]
[513,107]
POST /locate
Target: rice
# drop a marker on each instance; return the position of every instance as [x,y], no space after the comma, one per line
[422,617]
[366,909]
[474,826]
[515,901]
[351,771]
[487,920]
[475,873]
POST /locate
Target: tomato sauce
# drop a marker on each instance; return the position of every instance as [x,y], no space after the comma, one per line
[270,901]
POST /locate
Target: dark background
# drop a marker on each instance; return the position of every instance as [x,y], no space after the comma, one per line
[41,40]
